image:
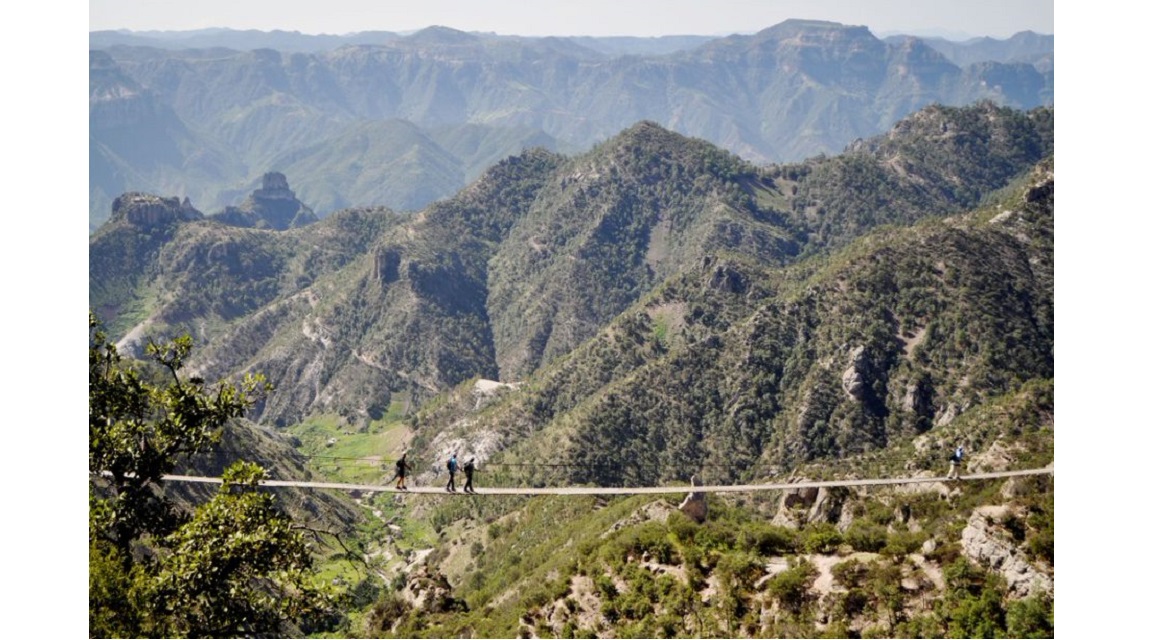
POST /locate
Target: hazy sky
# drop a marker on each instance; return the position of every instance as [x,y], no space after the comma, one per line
[955,18]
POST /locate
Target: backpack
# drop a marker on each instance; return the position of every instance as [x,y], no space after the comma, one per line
[452,465]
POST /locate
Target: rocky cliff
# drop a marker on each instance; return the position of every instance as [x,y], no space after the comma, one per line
[272,206]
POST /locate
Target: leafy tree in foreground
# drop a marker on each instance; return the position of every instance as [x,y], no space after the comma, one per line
[234,567]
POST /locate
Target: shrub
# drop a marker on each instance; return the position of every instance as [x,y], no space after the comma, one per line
[851,603]
[901,543]
[383,616]
[850,573]
[1031,618]
[606,588]
[790,587]
[767,539]
[866,536]
[822,538]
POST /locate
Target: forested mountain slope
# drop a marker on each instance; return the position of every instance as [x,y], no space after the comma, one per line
[733,370]
[534,258]
[873,360]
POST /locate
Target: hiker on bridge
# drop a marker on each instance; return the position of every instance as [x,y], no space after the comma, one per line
[954,466]
[402,469]
[469,469]
[452,474]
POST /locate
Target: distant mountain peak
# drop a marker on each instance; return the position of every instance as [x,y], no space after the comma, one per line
[645,133]
[275,188]
[796,32]
[440,35]
[644,127]
[273,206]
[147,210]
[803,23]
[793,27]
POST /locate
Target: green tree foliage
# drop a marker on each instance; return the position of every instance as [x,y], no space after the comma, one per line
[790,588]
[237,567]
[138,430]
[234,567]
[972,606]
[1032,618]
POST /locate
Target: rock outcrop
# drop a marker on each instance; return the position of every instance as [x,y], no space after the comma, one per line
[984,541]
[854,379]
[273,206]
[429,590]
[794,507]
[695,505]
[811,504]
[147,210]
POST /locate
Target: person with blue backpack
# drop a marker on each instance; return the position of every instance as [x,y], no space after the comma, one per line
[953,469]
[452,474]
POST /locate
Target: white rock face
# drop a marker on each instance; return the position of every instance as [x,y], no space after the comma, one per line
[984,542]
[854,378]
[695,504]
[486,391]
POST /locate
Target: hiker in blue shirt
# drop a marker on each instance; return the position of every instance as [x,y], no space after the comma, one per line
[452,474]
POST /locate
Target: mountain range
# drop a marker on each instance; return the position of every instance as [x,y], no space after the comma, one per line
[544,255]
[404,120]
[654,309]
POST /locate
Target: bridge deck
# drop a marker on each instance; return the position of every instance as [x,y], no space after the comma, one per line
[571,491]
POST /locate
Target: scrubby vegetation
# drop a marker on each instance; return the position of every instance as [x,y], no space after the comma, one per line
[898,570]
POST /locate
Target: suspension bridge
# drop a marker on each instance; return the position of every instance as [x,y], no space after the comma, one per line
[585,490]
